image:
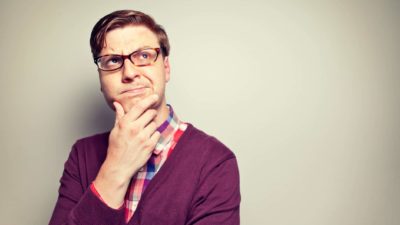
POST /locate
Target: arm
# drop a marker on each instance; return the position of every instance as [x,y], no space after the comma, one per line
[77,204]
[218,197]
[131,142]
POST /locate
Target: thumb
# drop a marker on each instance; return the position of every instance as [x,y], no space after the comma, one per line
[119,111]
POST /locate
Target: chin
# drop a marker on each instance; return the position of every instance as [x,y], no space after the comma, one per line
[128,101]
[127,104]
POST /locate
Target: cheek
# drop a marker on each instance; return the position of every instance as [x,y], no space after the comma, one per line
[107,82]
[108,89]
[156,73]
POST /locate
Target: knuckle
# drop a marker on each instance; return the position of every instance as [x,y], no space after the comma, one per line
[137,107]
[150,144]
[142,105]
[152,125]
[121,125]
[153,112]
[147,144]
[134,129]
[141,138]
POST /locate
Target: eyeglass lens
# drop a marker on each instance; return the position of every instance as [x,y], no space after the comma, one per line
[139,58]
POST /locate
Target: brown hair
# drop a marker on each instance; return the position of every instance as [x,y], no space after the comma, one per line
[123,18]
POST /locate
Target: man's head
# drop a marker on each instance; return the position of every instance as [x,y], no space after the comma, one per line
[122,44]
[122,18]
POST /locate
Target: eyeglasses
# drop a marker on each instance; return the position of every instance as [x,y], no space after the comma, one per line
[142,57]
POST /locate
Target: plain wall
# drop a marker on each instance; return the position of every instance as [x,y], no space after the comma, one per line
[306,93]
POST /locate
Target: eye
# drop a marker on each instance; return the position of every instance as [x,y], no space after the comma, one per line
[112,60]
[144,55]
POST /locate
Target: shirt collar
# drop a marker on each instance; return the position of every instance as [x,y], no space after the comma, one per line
[167,130]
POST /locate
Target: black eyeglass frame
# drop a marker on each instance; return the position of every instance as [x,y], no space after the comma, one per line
[127,57]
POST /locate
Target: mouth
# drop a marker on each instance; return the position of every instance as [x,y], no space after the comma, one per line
[135,91]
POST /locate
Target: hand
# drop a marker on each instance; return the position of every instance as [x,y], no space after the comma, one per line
[131,143]
[133,138]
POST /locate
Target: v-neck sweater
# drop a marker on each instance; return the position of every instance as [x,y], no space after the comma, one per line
[198,184]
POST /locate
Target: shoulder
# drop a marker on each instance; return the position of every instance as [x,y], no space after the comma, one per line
[95,140]
[94,146]
[215,175]
[204,147]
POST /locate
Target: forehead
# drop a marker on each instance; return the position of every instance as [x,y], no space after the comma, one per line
[129,38]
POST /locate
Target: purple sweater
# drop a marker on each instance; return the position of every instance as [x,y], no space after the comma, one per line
[198,184]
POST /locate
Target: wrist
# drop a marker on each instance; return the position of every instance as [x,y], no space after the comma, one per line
[113,175]
[111,187]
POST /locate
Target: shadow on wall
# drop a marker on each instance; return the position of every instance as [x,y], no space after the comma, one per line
[91,114]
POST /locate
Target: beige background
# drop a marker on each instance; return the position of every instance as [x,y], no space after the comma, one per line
[306,93]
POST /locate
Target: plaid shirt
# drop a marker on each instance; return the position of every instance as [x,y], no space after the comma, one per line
[171,130]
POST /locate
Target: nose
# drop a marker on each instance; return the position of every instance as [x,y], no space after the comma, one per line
[129,71]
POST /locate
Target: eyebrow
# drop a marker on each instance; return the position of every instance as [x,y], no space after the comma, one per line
[138,49]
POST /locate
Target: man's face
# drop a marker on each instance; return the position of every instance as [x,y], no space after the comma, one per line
[130,83]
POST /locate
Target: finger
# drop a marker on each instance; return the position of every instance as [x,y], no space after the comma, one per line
[152,142]
[146,118]
[155,137]
[150,129]
[141,107]
[119,112]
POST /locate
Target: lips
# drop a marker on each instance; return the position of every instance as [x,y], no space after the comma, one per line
[133,91]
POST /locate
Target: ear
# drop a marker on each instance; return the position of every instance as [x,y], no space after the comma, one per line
[167,69]
[101,83]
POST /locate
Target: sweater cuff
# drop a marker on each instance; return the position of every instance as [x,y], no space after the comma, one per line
[96,193]
[92,210]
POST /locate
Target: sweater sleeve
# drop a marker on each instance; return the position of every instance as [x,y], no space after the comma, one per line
[77,204]
[218,198]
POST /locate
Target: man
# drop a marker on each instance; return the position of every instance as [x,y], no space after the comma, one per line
[151,168]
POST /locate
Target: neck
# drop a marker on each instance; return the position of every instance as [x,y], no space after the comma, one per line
[162,113]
